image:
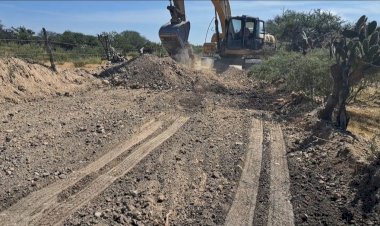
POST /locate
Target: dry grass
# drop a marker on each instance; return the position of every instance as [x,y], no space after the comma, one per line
[365,116]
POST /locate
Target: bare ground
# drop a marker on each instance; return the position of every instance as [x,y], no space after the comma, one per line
[193,176]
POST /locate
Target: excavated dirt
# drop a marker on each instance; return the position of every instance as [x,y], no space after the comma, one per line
[190,179]
[23,81]
[156,73]
[335,175]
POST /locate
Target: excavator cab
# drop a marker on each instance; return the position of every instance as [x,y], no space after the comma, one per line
[244,34]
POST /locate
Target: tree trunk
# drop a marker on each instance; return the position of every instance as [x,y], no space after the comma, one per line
[333,99]
[342,117]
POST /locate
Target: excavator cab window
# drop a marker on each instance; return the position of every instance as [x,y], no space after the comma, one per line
[245,33]
[249,34]
[234,34]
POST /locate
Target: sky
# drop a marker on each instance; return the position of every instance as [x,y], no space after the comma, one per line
[146,17]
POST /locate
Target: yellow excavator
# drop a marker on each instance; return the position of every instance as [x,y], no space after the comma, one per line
[242,39]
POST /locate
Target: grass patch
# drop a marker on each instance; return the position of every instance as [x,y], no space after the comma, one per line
[84,61]
[80,56]
[365,114]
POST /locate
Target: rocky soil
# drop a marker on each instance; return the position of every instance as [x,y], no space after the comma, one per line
[49,131]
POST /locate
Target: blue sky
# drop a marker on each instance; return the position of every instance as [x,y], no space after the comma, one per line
[146,17]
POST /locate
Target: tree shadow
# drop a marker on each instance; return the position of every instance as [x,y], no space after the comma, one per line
[367,185]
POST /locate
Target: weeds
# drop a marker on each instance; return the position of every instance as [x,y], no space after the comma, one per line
[83,61]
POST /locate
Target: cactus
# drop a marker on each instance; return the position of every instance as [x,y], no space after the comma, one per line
[359,45]
[357,54]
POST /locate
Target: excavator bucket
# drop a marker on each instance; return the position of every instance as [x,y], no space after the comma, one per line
[174,36]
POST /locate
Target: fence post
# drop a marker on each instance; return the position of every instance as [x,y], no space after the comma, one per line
[48,50]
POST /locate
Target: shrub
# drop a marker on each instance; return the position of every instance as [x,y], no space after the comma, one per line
[306,73]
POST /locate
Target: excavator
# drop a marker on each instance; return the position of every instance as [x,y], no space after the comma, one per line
[242,39]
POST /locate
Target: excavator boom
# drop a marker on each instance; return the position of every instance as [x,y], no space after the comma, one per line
[223,9]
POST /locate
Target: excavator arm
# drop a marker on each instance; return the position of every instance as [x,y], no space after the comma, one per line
[223,9]
[174,34]
[177,11]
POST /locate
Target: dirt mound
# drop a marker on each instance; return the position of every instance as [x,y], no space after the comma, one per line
[149,71]
[21,80]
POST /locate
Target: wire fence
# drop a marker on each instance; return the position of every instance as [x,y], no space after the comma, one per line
[35,49]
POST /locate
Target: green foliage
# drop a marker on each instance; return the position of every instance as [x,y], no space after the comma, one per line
[36,52]
[23,33]
[197,49]
[131,41]
[31,51]
[70,46]
[133,55]
[358,48]
[318,25]
[69,40]
[80,62]
[305,73]
[128,41]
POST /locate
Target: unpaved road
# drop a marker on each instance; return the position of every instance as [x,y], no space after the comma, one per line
[179,163]
[208,153]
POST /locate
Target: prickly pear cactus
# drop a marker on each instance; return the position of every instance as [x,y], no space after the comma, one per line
[359,46]
[357,54]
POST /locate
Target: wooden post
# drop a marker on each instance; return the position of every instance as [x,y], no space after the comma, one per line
[48,50]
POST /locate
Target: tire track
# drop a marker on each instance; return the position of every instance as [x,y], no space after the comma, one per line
[60,211]
[39,201]
[263,196]
[243,207]
[280,209]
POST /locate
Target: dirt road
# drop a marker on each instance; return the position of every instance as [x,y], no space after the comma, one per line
[224,151]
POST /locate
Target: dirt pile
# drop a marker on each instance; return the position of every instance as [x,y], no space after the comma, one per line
[21,80]
[149,71]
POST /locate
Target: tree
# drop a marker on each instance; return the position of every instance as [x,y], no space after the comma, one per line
[69,40]
[357,57]
[128,41]
[294,27]
[23,34]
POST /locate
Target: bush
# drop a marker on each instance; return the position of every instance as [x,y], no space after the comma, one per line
[306,73]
